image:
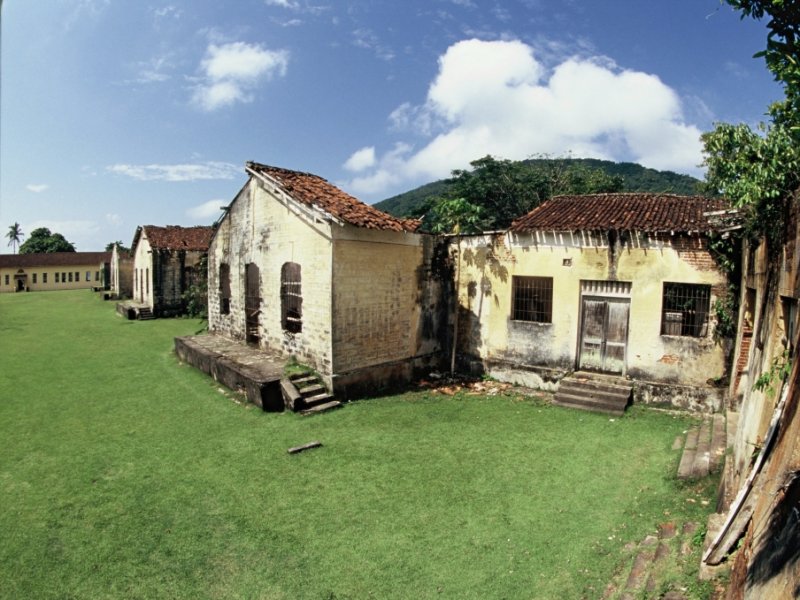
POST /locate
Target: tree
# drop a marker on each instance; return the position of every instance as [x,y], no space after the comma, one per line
[456,216]
[782,53]
[122,248]
[505,190]
[759,170]
[14,236]
[43,240]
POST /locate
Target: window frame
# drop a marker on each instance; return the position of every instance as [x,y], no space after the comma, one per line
[694,320]
[291,298]
[531,299]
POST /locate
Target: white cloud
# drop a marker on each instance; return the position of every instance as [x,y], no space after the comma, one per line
[290,4]
[366,38]
[180,172]
[361,159]
[208,210]
[232,70]
[113,219]
[584,106]
[37,188]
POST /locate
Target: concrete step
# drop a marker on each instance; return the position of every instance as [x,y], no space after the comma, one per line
[310,390]
[321,408]
[594,393]
[704,450]
[648,566]
[301,380]
[589,403]
[304,392]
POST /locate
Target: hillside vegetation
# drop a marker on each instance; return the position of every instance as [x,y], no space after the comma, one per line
[636,178]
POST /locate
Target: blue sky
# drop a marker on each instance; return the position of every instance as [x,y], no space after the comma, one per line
[118,113]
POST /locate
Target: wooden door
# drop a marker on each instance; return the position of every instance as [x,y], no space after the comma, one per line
[252,303]
[604,334]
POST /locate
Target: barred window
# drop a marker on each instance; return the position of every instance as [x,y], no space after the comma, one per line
[224,289]
[44,277]
[684,309]
[291,298]
[70,276]
[532,299]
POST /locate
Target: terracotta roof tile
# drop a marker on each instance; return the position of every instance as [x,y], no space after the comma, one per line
[633,211]
[53,259]
[313,190]
[175,237]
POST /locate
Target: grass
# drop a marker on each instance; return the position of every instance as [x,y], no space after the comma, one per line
[126,474]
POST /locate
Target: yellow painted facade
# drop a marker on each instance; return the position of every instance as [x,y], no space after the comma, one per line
[52,272]
[580,267]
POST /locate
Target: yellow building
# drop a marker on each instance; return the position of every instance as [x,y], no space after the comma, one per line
[53,271]
[300,268]
[622,284]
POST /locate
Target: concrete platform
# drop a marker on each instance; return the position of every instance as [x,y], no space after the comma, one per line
[239,367]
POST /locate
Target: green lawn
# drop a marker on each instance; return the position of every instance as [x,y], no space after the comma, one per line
[124,474]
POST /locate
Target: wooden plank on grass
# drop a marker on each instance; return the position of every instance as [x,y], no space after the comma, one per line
[307,446]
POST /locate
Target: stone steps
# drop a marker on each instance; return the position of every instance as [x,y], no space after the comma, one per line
[594,392]
[305,393]
[704,449]
[145,314]
[649,566]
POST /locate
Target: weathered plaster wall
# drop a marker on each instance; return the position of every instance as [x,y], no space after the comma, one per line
[143,271]
[121,274]
[487,331]
[262,229]
[386,299]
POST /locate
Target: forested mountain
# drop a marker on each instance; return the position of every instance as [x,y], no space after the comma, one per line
[636,178]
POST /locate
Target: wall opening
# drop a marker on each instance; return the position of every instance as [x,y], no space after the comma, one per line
[291,298]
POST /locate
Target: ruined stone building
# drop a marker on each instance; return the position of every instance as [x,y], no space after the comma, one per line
[300,268]
[52,271]
[166,262]
[622,284]
[121,273]
[759,500]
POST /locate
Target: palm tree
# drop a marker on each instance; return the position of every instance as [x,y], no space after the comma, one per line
[14,236]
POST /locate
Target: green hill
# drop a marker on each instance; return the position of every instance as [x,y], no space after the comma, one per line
[636,179]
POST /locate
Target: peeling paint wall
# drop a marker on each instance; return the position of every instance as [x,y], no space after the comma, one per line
[487,331]
[142,271]
[371,299]
[261,229]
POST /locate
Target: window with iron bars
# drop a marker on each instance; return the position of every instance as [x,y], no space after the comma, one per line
[224,289]
[684,309]
[532,299]
[291,298]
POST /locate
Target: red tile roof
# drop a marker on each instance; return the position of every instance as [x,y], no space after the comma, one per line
[634,212]
[53,259]
[313,190]
[175,237]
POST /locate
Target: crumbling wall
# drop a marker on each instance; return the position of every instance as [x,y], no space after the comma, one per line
[767,563]
[387,299]
[268,231]
[489,335]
